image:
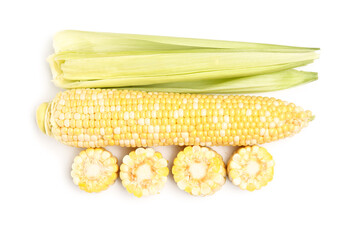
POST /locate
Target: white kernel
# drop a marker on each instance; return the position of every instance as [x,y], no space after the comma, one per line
[168,128]
[118,108]
[156,106]
[218,105]
[215,119]
[85,110]
[66,123]
[91,109]
[236,181]
[276,103]
[102,109]
[153,114]
[112,109]
[141,121]
[221,111]
[267,114]
[143,142]
[257,106]
[135,136]
[140,107]
[236,139]
[195,106]
[132,115]
[127,142]
[185,135]
[175,140]
[93,97]
[156,136]
[253,141]
[147,121]
[226,119]
[81,137]
[87,137]
[127,96]
[117,130]
[181,112]
[262,119]
[262,131]
[62,116]
[93,138]
[196,100]
[197,140]
[101,102]
[184,101]
[272,125]
[151,129]
[176,114]
[102,131]
[203,112]
[157,129]
[126,116]
[224,126]
[276,120]
[222,133]
[248,112]
[241,105]
[82,96]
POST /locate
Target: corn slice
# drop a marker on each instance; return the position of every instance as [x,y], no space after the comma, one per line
[94,169]
[144,172]
[251,168]
[199,171]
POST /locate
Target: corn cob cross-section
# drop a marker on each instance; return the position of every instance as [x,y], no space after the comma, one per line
[199,171]
[101,117]
[144,172]
[251,168]
[94,170]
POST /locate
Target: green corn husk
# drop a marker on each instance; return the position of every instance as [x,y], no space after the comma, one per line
[259,83]
[100,42]
[108,60]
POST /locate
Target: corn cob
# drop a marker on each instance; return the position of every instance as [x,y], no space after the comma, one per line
[251,168]
[199,171]
[102,117]
[94,170]
[144,172]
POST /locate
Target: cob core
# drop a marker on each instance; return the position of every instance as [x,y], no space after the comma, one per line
[102,117]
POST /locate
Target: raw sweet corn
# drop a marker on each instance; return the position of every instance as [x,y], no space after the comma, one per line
[102,117]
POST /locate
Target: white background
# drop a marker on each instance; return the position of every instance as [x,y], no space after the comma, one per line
[315,191]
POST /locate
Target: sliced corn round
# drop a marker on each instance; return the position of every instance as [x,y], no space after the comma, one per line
[94,169]
[199,171]
[251,168]
[144,172]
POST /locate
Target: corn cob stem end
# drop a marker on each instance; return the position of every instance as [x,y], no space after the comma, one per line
[40,116]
